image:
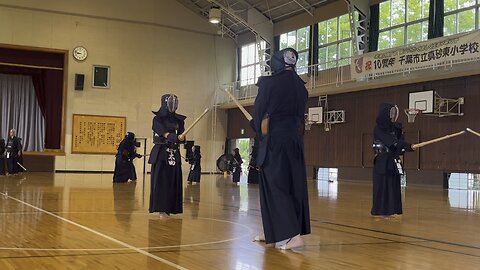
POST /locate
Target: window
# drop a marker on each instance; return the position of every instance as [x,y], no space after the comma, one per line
[334,42]
[403,22]
[300,41]
[250,64]
[460,16]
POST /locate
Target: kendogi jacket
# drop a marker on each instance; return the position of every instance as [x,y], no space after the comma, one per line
[13,146]
[166,122]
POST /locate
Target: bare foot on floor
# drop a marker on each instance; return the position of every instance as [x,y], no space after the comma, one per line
[294,242]
[164,216]
[259,238]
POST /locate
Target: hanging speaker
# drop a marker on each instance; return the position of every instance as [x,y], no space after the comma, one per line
[79,81]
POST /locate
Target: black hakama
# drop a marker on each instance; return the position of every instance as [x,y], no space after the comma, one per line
[387,192]
[252,166]
[237,167]
[166,190]
[195,167]
[2,165]
[283,184]
[252,175]
[124,167]
[237,170]
[2,157]
[124,170]
[13,154]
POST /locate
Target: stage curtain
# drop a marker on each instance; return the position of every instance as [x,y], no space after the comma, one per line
[20,110]
[48,84]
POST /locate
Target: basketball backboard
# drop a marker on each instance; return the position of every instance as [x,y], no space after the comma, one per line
[423,101]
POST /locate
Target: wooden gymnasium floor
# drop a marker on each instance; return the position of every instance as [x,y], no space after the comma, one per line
[79,221]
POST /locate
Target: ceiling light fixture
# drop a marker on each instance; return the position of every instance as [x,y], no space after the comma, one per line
[215,15]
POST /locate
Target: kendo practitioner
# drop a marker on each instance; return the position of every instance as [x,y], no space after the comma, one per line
[252,165]
[279,125]
[2,157]
[14,152]
[195,167]
[126,153]
[389,144]
[166,180]
[236,165]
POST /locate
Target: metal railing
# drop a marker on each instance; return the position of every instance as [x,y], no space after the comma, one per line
[323,74]
[332,73]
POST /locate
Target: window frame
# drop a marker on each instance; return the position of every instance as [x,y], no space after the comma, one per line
[456,12]
[404,25]
[327,64]
[256,62]
[306,51]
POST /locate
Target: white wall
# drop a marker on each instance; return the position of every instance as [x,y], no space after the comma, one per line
[153,47]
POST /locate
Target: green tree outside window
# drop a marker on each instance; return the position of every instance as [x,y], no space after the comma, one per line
[466,21]
[450,25]
[398,37]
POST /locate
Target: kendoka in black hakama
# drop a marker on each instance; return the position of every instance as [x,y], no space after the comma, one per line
[166,179]
[236,165]
[14,154]
[126,153]
[389,144]
[195,167]
[283,184]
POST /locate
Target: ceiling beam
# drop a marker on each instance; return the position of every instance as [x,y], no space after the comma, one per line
[298,10]
[306,7]
[239,20]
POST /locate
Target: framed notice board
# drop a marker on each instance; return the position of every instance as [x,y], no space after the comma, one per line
[97,134]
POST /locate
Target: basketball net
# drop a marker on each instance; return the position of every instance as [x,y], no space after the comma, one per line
[411,114]
[308,125]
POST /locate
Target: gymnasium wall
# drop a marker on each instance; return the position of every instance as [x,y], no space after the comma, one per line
[348,145]
[153,47]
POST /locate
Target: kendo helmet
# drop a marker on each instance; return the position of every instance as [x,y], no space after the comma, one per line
[170,102]
[282,59]
[130,136]
[394,112]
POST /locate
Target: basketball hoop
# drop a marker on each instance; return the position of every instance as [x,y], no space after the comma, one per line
[308,125]
[308,122]
[411,114]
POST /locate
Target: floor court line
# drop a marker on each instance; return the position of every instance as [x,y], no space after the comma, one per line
[98,233]
[401,235]
[412,243]
[157,248]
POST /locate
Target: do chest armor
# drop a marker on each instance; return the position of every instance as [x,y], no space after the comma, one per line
[170,127]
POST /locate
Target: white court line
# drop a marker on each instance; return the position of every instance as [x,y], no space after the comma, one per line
[98,233]
[143,248]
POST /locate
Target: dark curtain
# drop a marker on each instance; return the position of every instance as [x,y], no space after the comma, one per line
[276,44]
[435,19]
[239,63]
[374,28]
[53,96]
[49,91]
[313,55]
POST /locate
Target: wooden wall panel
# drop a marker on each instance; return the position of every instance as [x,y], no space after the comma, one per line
[346,145]
[237,122]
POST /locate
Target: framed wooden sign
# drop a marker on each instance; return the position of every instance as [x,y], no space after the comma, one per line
[97,134]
